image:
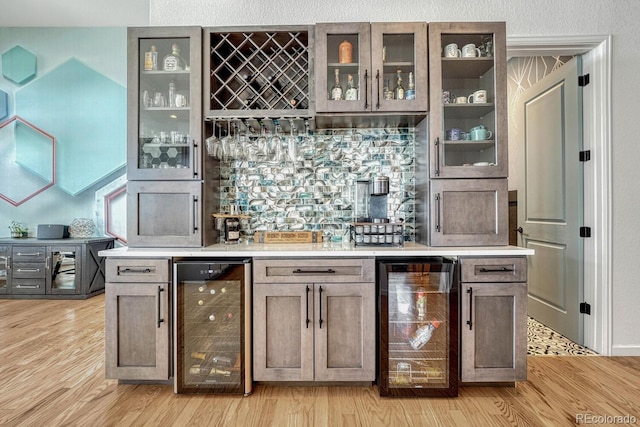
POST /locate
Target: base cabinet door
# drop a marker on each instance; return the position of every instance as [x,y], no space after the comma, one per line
[314,332]
[5,257]
[493,332]
[283,333]
[137,319]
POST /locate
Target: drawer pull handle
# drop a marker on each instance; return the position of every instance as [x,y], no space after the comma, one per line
[469,322]
[128,270]
[36,254]
[497,270]
[28,286]
[301,271]
[28,270]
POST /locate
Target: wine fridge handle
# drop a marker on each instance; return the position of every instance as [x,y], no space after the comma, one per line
[160,319]
[320,320]
[469,321]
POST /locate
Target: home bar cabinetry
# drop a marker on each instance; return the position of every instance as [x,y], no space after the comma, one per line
[314,309]
[164,133]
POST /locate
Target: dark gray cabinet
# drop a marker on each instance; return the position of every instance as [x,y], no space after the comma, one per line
[493,314]
[138,319]
[60,268]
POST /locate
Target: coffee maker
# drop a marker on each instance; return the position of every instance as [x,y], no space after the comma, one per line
[371,225]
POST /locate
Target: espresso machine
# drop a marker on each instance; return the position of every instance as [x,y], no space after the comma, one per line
[372,226]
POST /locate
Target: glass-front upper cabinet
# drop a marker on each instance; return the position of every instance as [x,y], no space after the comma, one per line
[164,103]
[468,86]
[379,67]
[4,269]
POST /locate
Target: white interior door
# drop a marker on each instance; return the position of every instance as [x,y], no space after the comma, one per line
[551,203]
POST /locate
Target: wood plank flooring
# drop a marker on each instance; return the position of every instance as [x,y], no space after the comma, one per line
[52,374]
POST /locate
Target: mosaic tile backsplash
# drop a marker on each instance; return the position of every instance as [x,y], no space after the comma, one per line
[308,183]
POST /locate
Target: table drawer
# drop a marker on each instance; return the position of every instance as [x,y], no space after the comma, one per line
[28,286]
[149,270]
[494,269]
[28,253]
[21,270]
[316,270]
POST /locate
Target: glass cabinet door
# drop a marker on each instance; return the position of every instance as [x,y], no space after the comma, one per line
[66,277]
[468,100]
[343,67]
[399,66]
[164,103]
[4,269]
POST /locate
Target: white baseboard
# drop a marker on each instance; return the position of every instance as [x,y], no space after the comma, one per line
[625,350]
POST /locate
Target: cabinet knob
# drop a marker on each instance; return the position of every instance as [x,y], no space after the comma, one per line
[519,230]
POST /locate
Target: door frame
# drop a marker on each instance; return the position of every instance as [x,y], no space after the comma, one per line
[596,55]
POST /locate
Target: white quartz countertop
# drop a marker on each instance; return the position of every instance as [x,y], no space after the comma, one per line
[300,250]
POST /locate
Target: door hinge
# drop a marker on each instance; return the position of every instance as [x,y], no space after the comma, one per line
[585,231]
[583,80]
[585,308]
[585,155]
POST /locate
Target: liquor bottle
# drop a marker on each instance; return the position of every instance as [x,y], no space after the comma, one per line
[387,93]
[351,93]
[151,59]
[173,61]
[423,334]
[411,90]
[336,90]
[421,302]
[345,52]
[399,90]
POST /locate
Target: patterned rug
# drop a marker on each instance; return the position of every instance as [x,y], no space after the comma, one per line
[544,341]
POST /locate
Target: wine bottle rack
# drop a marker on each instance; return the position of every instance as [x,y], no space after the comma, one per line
[260,70]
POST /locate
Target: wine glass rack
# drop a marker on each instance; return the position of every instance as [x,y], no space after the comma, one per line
[251,70]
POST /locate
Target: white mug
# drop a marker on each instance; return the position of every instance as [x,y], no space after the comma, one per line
[478,97]
[470,51]
[451,51]
[460,100]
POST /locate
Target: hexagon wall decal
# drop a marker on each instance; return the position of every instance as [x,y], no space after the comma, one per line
[86,111]
[27,161]
[19,65]
[4,105]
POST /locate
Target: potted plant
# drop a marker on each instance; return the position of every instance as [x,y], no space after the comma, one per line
[18,229]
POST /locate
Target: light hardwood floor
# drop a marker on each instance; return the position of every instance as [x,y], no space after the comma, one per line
[52,374]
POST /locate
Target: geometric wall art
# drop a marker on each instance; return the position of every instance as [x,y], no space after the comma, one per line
[86,112]
[27,157]
[18,65]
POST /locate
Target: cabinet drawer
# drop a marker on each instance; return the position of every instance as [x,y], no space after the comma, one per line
[494,269]
[28,286]
[137,270]
[22,270]
[322,270]
[28,253]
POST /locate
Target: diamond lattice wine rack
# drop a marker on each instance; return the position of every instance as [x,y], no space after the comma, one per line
[255,70]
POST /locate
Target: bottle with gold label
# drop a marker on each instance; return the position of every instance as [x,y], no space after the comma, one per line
[336,90]
[345,52]
[151,59]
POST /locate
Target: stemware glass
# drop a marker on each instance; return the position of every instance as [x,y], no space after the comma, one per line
[292,143]
[275,145]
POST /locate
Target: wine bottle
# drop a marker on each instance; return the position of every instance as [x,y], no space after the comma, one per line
[423,334]
[352,92]
[411,90]
[336,90]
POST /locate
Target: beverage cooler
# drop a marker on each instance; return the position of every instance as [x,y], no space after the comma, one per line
[212,327]
[418,327]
